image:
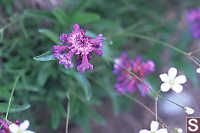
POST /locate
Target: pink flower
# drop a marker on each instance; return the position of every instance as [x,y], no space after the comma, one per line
[194,19]
[127,82]
[79,45]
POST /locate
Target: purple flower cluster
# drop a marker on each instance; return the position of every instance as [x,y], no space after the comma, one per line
[194,19]
[127,82]
[4,126]
[77,43]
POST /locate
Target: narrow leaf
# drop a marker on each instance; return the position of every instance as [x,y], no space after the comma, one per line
[85,83]
[61,16]
[1,34]
[48,56]
[84,18]
[13,108]
[54,37]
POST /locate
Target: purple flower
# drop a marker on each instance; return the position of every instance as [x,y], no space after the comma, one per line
[80,45]
[4,126]
[193,18]
[127,82]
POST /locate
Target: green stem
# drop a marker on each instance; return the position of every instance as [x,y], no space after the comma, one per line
[156,41]
[11,96]
[68,113]
[146,108]
[156,107]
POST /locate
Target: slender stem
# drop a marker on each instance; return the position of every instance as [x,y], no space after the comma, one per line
[156,107]
[11,96]
[182,107]
[146,108]
[157,41]
[68,113]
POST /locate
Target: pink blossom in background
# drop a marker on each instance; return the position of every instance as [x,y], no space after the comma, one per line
[193,18]
[125,81]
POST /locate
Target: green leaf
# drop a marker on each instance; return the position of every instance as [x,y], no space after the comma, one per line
[80,6]
[39,13]
[4,93]
[61,16]
[83,81]
[14,108]
[54,37]
[57,112]
[85,84]
[43,74]
[48,56]
[1,34]
[84,18]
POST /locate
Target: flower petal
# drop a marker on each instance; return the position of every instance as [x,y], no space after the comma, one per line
[198,70]
[180,79]
[144,131]
[164,77]
[28,131]
[189,110]
[165,87]
[163,130]
[13,128]
[177,88]
[172,73]
[23,126]
[154,126]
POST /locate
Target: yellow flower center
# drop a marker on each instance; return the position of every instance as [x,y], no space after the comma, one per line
[171,82]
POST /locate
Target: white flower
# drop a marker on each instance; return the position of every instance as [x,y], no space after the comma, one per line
[178,130]
[154,128]
[188,110]
[171,81]
[22,128]
[198,70]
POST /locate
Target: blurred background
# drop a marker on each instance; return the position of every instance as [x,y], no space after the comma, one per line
[29,28]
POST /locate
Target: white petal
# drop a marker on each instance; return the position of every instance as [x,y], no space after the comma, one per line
[154,126]
[13,128]
[28,131]
[144,131]
[198,70]
[24,125]
[164,77]
[179,130]
[177,88]
[163,130]
[165,87]
[172,73]
[180,79]
[189,110]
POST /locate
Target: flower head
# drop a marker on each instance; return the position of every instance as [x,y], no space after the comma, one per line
[127,82]
[171,81]
[80,45]
[22,128]
[178,130]
[4,126]
[194,19]
[188,110]
[154,128]
[198,70]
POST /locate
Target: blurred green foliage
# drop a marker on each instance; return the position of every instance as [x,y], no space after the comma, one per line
[26,33]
